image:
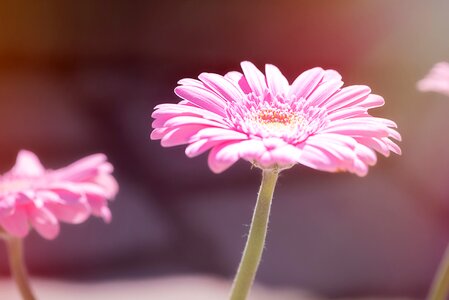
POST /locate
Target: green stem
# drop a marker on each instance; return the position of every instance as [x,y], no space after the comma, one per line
[17,266]
[256,238]
[440,284]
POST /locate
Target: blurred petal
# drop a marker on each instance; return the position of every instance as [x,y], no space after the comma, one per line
[27,164]
[16,224]
[44,222]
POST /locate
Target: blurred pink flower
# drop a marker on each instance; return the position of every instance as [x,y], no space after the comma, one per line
[437,80]
[265,120]
[31,195]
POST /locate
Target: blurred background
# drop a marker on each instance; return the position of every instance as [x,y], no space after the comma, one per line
[79,77]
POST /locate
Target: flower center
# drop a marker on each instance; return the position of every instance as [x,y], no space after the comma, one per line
[278,120]
[290,119]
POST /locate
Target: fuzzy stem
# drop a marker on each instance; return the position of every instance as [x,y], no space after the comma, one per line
[256,238]
[17,266]
[440,284]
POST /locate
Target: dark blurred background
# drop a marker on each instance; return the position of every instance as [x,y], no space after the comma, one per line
[79,77]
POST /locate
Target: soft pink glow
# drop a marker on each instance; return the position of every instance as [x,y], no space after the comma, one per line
[271,123]
[437,80]
[31,195]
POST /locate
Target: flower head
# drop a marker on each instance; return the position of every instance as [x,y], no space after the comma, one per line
[273,124]
[31,195]
[437,80]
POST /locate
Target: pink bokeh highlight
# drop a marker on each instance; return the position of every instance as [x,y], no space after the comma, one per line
[437,80]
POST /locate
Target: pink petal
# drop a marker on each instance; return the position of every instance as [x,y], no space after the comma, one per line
[332,159]
[254,77]
[221,86]
[163,118]
[64,192]
[160,121]
[367,119]
[366,154]
[323,92]
[360,168]
[191,120]
[67,205]
[273,142]
[158,133]
[203,98]
[265,160]
[44,222]
[392,146]
[335,139]
[221,157]
[375,120]
[331,75]
[191,82]
[305,83]
[277,82]
[285,155]
[199,147]
[350,95]
[372,101]
[332,152]
[83,169]
[220,134]
[394,134]
[346,113]
[171,110]
[109,185]
[16,224]
[317,159]
[252,149]
[100,208]
[27,164]
[7,205]
[238,80]
[437,80]
[342,155]
[355,127]
[366,130]
[75,196]
[234,77]
[375,143]
[74,213]
[180,135]
[164,114]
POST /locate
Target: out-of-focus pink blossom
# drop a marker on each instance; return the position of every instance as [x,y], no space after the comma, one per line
[437,80]
[31,196]
[264,119]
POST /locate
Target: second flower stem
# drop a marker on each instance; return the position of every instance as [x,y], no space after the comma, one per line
[440,284]
[256,238]
[17,266]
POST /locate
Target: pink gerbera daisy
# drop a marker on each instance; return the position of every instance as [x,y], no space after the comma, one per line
[33,196]
[273,124]
[437,80]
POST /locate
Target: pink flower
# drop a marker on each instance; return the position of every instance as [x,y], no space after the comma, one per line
[31,195]
[273,124]
[437,80]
